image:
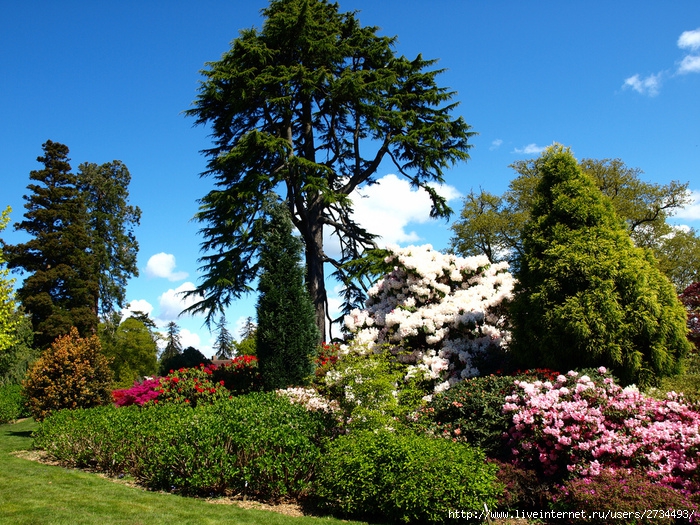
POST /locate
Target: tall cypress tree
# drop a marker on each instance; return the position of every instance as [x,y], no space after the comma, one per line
[586,296]
[287,334]
[61,290]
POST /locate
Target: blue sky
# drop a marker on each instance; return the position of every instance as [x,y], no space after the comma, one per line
[111,80]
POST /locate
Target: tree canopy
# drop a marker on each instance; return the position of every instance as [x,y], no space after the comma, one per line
[585,295]
[309,107]
[82,249]
[7,295]
[493,224]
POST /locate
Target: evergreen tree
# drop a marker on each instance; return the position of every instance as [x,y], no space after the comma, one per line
[173,346]
[112,221]
[61,290]
[287,334]
[586,296]
[313,103]
[224,345]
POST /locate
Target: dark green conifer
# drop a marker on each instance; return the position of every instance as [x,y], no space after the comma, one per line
[61,288]
[287,336]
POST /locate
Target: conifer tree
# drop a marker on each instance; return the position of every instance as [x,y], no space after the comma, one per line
[224,345]
[586,296]
[313,103]
[61,288]
[287,335]
[173,344]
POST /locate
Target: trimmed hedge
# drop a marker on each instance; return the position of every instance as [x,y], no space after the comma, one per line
[258,444]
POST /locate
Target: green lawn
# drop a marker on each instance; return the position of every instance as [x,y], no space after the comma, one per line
[34,494]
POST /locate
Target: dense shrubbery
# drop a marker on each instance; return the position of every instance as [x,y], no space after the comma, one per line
[12,403]
[71,373]
[584,424]
[632,495]
[259,444]
[403,477]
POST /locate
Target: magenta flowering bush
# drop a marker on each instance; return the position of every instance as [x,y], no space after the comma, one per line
[447,310]
[139,394]
[586,424]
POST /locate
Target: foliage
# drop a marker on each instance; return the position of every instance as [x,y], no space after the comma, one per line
[287,335]
[61,289]
[173,345]
[585,295]
[445,310]
[584,424]
[7,301]
[225,345]
[690,297]
[12,403]
[493,224]
[191,386]
[471,412]
[631,496]
[403,478]
[71,373]
[190,357]
[371,390]
[313,102]
[17,358]
[113,247]
[130,347]
[259,445]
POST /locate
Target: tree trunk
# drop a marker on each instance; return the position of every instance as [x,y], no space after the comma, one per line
[315,275]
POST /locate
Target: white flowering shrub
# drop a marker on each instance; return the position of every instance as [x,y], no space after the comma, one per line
[447,310]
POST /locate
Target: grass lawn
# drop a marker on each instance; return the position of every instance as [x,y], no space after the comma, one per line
[34,494]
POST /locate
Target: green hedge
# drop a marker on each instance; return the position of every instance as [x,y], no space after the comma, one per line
[259,444]
[404,478]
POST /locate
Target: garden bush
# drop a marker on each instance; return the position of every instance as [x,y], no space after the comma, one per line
[471,412]
[446,310]
[258,444]
[12,404]
[631,495]
[583,423]
[240,376]
[71,373]
[403,478]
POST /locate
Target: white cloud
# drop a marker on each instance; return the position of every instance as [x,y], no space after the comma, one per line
[139,305]
[646,86]
[192,339]
[690,40]
[173,302]
[163,265]
[689,64]
[388,207]
[531,149]
[495,144]
[691,212]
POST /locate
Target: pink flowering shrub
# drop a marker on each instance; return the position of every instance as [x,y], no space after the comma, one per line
[139,394]
[585,425]
[447,310]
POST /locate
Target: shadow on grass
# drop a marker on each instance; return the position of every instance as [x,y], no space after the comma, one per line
[21,434]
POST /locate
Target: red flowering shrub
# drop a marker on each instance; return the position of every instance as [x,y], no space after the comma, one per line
[139,394]
[191,386]
[626,497]
[240,376]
